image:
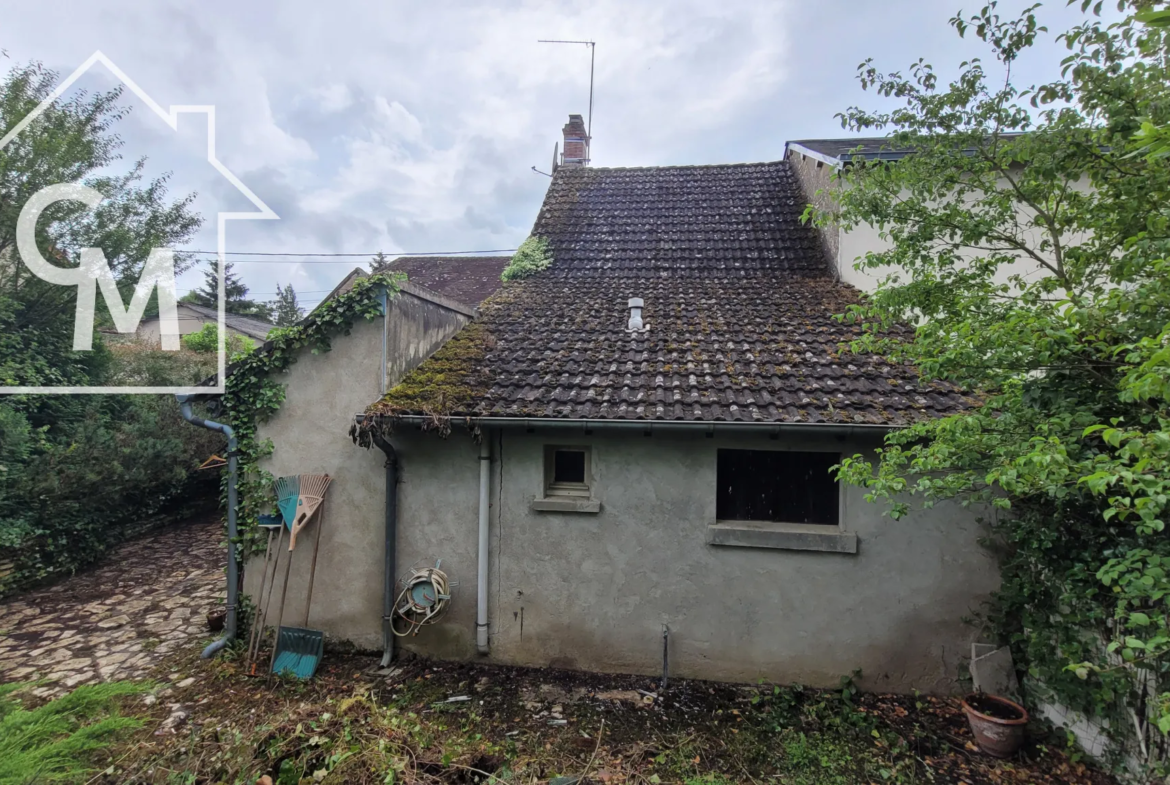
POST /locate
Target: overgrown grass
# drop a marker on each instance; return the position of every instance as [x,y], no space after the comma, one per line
[58,741]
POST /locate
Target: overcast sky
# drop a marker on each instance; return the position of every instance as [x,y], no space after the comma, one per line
[411,127]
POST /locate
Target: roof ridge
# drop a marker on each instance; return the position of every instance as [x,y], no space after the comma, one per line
[736,165]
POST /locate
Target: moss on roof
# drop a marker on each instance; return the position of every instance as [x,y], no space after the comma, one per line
[447,382]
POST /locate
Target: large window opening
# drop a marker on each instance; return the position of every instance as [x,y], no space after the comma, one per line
[777,486]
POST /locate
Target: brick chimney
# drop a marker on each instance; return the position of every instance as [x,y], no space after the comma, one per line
[576,149]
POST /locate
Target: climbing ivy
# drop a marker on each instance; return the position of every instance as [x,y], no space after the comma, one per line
[253,393]
[531,257]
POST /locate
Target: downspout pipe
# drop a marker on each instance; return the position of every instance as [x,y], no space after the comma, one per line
[388,576]
[481,612]
[233,565]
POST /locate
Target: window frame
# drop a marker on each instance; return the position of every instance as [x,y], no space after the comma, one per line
[782,535]
[554,489]
[840,487]
[556,497]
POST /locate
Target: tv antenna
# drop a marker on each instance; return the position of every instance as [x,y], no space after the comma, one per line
[592,52]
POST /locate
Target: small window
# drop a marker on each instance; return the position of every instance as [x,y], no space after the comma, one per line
[567,471]
[777,486]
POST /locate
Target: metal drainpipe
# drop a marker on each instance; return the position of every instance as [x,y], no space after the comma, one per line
[233,566]
[391,545]
[481,615]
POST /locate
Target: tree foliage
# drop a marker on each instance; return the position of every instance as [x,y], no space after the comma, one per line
[235,294]
[287,310]
[73,467]
[1027,239]
[380,263]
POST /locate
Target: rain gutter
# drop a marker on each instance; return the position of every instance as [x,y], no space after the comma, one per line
[668,426]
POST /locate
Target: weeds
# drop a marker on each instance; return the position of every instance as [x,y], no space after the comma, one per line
[345,728]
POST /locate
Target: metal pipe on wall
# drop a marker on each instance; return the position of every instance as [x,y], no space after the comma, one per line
[481,613]
[233,564]
[391,534]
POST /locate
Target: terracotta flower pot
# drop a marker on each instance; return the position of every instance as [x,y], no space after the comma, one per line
[998,723]
[215,620]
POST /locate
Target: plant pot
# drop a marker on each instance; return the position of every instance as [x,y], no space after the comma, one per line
[215,620]
[998,723]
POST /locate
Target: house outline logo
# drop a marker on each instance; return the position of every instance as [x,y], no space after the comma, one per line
[153,274]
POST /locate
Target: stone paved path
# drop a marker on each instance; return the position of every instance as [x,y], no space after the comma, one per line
[147,598]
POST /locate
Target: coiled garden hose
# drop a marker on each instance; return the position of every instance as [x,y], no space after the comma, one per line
[423,599]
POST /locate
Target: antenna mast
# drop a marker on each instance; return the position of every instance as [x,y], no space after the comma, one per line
[592,53]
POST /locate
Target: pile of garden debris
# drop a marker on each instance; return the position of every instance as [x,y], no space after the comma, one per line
[466,724]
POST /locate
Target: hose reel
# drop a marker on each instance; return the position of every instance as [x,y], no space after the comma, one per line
[423,599]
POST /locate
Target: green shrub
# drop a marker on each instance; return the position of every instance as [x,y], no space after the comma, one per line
[58,741]
[70,477]
[531,257]
[206,341]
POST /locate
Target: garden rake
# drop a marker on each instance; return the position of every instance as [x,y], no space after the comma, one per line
[287,491]
[310,494]
[298,649]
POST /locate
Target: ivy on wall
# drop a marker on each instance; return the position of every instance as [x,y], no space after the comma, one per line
[253,393]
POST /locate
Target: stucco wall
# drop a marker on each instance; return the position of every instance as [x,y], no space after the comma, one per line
[816,182]
[844,248]
[592,591]
[309,436]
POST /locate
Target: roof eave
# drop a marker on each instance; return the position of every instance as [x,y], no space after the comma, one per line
[805,151]
[649,426]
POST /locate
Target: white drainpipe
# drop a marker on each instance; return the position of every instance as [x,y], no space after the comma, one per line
[481,615]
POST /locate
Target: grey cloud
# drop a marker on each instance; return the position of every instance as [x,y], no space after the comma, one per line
[449,105]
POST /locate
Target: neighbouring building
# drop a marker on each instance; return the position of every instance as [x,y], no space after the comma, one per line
[192,318]
[815,162]
[630,451]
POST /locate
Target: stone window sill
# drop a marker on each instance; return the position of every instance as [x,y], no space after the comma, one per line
[565,504]
[785,536]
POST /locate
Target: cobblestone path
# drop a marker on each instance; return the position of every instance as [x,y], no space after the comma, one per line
[114,621]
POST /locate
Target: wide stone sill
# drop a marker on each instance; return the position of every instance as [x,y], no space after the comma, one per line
[565,504]
[785,536]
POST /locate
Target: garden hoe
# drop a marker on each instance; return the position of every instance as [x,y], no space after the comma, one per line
[298,649]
